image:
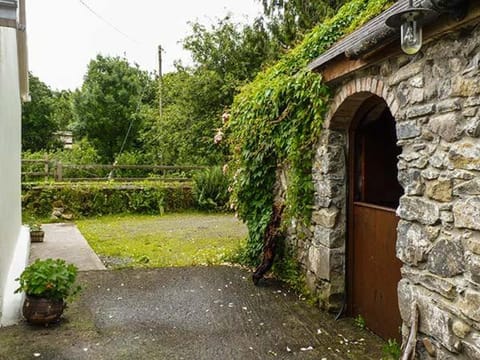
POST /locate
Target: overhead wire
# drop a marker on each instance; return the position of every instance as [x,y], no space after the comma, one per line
[131,121]
[106,21]
[103,19]
[115,161]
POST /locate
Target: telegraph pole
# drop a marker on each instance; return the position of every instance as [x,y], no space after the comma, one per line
[160,80]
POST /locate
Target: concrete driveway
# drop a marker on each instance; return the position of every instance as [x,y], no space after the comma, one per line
[188,313]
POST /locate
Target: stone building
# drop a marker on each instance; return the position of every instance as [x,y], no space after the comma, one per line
[397,180]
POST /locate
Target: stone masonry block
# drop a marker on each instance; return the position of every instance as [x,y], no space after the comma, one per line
[326,217]
[446,126]
[465,154]
[408,130]
[471,187]
[434,321]
[440,190]
[466,213]
[472,102]
[411,181]
[330,238]
[373,85]
[448,105]
[406,72]
[465,86]
[325,262]
[473,266]
[444,287]
[412,242]
[446,258]
[420,110]
[380,87]
[470,305]
[418,209]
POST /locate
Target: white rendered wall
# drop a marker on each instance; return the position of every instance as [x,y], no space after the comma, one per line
[13,240]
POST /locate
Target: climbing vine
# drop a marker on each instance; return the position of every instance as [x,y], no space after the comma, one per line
[275,121]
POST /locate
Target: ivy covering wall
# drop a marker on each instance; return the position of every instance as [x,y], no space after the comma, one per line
[276,120]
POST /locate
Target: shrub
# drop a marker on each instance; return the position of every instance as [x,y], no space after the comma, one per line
[82,153]
[210,189]
[51,279]
[92,199]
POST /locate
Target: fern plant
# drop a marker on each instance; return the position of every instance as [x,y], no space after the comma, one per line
[210,189]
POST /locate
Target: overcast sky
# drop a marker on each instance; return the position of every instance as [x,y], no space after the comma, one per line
[63,35]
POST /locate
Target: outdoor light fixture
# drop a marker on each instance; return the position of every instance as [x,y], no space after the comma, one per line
[410,22]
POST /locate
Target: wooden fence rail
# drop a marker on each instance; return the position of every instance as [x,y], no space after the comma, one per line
[55,170]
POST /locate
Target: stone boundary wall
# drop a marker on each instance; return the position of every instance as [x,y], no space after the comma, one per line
[435,99]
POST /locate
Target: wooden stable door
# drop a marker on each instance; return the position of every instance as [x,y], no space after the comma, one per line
[374,270]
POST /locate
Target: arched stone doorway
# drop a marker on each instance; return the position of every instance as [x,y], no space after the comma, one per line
[373,271]
[353,250]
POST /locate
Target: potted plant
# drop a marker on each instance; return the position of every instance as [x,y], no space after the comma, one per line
[36,232]
[47,284]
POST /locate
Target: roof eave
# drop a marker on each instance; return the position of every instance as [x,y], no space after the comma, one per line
[372,36]
[8,13]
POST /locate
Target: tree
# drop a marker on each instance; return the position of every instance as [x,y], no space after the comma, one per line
[38,127]
[62,109]
[108,108]
[193,102]
[289,20]
[227,56]
[231,51]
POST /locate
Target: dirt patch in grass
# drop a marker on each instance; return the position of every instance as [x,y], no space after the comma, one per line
[158,241]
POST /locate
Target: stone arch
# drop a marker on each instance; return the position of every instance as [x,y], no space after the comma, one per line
[350,96]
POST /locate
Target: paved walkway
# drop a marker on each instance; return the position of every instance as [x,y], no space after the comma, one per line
[196,313]
[66,242]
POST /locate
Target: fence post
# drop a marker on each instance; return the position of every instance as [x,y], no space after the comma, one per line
[59,172]
[46,168]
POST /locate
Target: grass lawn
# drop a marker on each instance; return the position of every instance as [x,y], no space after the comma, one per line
[181,239]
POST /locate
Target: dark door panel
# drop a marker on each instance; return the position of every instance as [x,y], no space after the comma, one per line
[376,270]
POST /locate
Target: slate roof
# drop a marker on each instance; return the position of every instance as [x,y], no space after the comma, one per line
[369,36]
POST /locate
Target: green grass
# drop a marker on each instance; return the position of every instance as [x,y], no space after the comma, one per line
[182,239]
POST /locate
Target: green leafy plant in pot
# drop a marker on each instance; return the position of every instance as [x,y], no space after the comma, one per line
[36,232]
[48,284]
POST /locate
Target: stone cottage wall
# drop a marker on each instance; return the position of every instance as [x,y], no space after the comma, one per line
[435,99]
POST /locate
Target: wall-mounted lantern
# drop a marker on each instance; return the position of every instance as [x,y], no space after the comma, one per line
[410,22]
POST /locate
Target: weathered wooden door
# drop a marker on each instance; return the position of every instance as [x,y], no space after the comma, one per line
[373,269]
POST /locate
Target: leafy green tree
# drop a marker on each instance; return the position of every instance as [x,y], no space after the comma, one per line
[109,108]
[234,52]
[62,109]
[289,20]
[193,102]
[226,57]
[38,127]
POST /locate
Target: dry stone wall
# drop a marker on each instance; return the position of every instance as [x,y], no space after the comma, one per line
[435,99]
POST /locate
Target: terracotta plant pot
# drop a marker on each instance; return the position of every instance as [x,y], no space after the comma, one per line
[37,236]
[42,311]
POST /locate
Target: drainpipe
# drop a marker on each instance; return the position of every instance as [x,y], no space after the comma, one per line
[22,52]
[8,18]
